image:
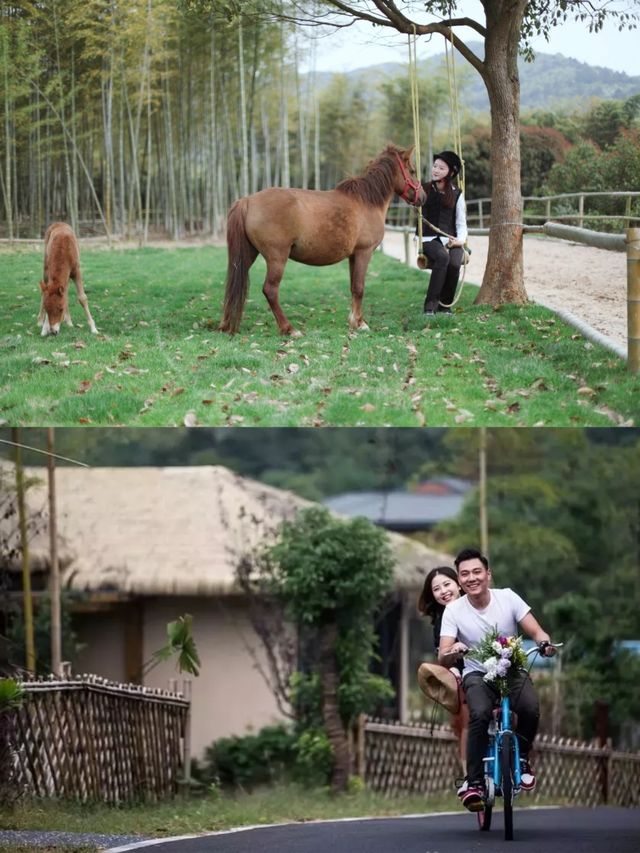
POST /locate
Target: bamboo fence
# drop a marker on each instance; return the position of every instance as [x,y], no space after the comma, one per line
[88,738]
[400,758]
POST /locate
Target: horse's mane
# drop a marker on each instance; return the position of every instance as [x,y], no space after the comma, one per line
[375,185]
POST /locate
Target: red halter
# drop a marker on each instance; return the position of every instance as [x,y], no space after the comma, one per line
[409,184]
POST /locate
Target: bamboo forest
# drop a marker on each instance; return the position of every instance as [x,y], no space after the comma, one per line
[147,119]
[129,117]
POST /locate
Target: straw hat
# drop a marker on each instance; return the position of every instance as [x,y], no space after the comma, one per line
[439,684]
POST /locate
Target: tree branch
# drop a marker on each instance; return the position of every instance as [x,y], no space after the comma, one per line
[396,20]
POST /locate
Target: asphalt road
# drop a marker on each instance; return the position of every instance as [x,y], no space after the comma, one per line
[565,830]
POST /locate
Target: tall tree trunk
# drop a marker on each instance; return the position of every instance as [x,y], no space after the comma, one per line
[503,276]
[329,680]
[75,224]
[6,186]
[172,202]
[213,208]
[244,144]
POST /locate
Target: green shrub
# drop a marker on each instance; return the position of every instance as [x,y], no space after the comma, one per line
[314,758]
[251,760]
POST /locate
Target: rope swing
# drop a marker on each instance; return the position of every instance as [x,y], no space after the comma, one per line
[422,260]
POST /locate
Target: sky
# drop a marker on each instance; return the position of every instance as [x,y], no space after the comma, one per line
[362,45]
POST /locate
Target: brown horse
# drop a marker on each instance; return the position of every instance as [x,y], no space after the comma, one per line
[316,227]
[61,262]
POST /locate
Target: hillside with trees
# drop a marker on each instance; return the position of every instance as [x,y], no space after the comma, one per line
[551,81]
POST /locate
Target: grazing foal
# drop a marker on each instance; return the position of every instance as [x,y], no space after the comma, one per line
[61,262]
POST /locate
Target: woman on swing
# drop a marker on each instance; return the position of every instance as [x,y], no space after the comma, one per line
[446,209]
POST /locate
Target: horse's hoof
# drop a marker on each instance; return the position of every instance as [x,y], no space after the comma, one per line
[295,333]
[363,327]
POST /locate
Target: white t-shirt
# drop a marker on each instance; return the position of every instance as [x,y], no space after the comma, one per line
[468,625]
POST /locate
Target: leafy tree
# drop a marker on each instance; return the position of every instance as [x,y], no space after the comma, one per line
[11,696]
[433,95]
[330,576]
[506,29]
[603,123]
[579,171]
[564,526]
[42,634]
[620,164]
[542,148]
[344,138]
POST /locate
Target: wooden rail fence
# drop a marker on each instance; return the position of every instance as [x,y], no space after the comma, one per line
[401,758]
[91,739]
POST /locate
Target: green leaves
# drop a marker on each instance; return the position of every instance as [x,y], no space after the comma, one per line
[181,643]
[11,695]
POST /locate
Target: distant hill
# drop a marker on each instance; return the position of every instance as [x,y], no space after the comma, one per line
[551,81]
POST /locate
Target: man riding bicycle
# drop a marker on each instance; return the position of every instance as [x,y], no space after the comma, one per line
[465,622]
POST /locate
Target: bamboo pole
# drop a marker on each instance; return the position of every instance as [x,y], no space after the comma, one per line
[633,299]
[54,578]
[186,743]
[30,650]
[484,525]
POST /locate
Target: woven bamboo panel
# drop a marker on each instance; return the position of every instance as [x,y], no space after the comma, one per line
[90,739]
[569,770]
[624,779]
[410,758]
[416,758]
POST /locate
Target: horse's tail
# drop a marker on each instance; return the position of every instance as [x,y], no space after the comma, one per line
[241,254]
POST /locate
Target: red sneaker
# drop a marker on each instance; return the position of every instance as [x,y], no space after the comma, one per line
[473,797]
[527,776]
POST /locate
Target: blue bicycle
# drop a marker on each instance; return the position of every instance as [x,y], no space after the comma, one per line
[502,765]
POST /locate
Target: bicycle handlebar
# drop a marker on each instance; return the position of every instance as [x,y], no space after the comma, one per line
[540,648]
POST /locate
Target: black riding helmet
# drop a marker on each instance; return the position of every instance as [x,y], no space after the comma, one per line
[451,159]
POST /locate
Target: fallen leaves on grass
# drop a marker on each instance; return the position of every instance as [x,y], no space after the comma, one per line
[368,407]
[84,386]
[190,419]
[615,417]
[586,391]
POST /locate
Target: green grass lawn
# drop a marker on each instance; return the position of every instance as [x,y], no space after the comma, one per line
[159,358]
[280,804]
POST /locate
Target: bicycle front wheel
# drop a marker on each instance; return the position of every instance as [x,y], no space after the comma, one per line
[507,757]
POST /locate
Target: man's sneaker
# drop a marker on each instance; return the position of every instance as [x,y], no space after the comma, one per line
[472,798]
[462,789]
[527,776]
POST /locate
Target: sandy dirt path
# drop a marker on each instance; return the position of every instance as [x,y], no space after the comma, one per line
[590,283]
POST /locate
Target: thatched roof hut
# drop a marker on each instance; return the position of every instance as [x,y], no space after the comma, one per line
[173,530]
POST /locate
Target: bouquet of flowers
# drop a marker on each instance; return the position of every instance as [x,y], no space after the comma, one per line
[499,655]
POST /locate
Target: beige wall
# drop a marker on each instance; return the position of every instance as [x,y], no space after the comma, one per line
[229,697]
[102,637]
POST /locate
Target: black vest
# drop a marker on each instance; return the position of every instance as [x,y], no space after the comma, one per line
[435,212]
